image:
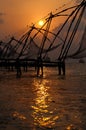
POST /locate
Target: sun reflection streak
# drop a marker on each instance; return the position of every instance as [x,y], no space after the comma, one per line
[42,112]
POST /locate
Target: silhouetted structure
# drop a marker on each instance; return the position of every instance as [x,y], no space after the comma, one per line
[18,68]
[62,38]
[61,67]
[39,66]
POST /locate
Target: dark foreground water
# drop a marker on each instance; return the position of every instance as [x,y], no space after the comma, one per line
[49,103]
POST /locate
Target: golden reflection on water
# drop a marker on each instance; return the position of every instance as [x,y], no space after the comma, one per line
[19,116]
[42,112]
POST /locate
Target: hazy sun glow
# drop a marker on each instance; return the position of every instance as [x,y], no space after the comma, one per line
[41,22]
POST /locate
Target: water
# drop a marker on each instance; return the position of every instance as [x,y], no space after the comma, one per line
[49,103]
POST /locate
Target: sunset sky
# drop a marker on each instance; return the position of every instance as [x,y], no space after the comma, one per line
[17,15]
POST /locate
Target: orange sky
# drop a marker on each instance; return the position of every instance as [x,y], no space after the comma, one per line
[15,15]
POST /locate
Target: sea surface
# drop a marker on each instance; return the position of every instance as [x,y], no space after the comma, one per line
[50,102]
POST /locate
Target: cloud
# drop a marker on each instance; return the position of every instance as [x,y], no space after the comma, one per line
[78,0]
[1,21]
[1,14]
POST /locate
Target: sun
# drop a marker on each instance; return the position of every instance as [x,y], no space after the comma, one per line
[41,23]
